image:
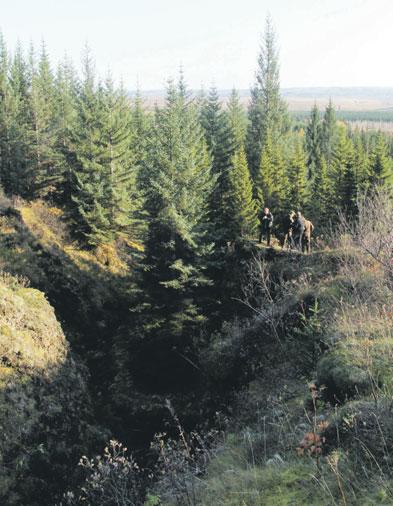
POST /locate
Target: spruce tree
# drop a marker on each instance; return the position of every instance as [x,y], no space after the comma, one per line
[4,112]
[16,158]
[319,206]
[220,140]
[267,111]
[313,141]
[66,92]
[104,196]
[362,165]
[140,135]
[237,120]
[239,202]
[297,174]
[177,199]
[87,156]
[343,176]
[89,179]
[381,173]
[329,134]
[272,182]
[44,165]
[122,198]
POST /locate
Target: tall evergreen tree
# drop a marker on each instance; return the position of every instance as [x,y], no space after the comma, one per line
[140,128]
[4,112]
[177,202]
[66,92]
[267,111]
[297,174]
[237,120]
[44,164]
[220,140]
[329,134]
[271,182]
[122,198]
[313,141]
[239,201]
[319,206]
[362,165]
[17,127]
[89,178]
[103,187]
[343,174]
[381,172]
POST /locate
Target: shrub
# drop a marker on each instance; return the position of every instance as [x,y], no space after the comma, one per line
[114,479]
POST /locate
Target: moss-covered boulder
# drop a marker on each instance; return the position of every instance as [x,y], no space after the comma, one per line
[356,367]
[364,429]
[44,404]
[341,377]
[360,359]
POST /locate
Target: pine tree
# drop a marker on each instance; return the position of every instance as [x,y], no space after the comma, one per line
[313,141]
[297,174]
[381,172]
[239,201]
[267,111]
[180,185]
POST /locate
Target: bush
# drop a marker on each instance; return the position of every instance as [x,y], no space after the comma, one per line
[114,479]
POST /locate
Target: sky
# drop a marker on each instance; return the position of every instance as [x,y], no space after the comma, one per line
[321,42]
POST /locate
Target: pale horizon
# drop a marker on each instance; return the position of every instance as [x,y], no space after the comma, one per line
[322,43]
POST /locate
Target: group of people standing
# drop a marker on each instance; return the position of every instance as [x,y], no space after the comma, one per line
[298,230]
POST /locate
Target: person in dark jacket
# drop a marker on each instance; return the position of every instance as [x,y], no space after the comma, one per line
[266,224]
[288,222]
[298,227]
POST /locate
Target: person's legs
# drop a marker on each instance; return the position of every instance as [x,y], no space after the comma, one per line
[306,244]
[268,237]
[300,239]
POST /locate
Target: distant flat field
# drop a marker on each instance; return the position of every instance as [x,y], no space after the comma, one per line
[340,103]
[302,99]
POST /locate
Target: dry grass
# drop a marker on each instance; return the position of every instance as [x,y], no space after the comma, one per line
[48,227]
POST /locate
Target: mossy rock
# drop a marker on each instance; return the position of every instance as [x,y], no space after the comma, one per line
[357,366]
[45,410]
[365,431]
[341,377]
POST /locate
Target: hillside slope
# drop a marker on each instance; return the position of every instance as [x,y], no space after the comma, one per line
[314,425]
[45,411]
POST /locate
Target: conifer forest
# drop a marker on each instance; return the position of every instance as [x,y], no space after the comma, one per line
[167,335]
